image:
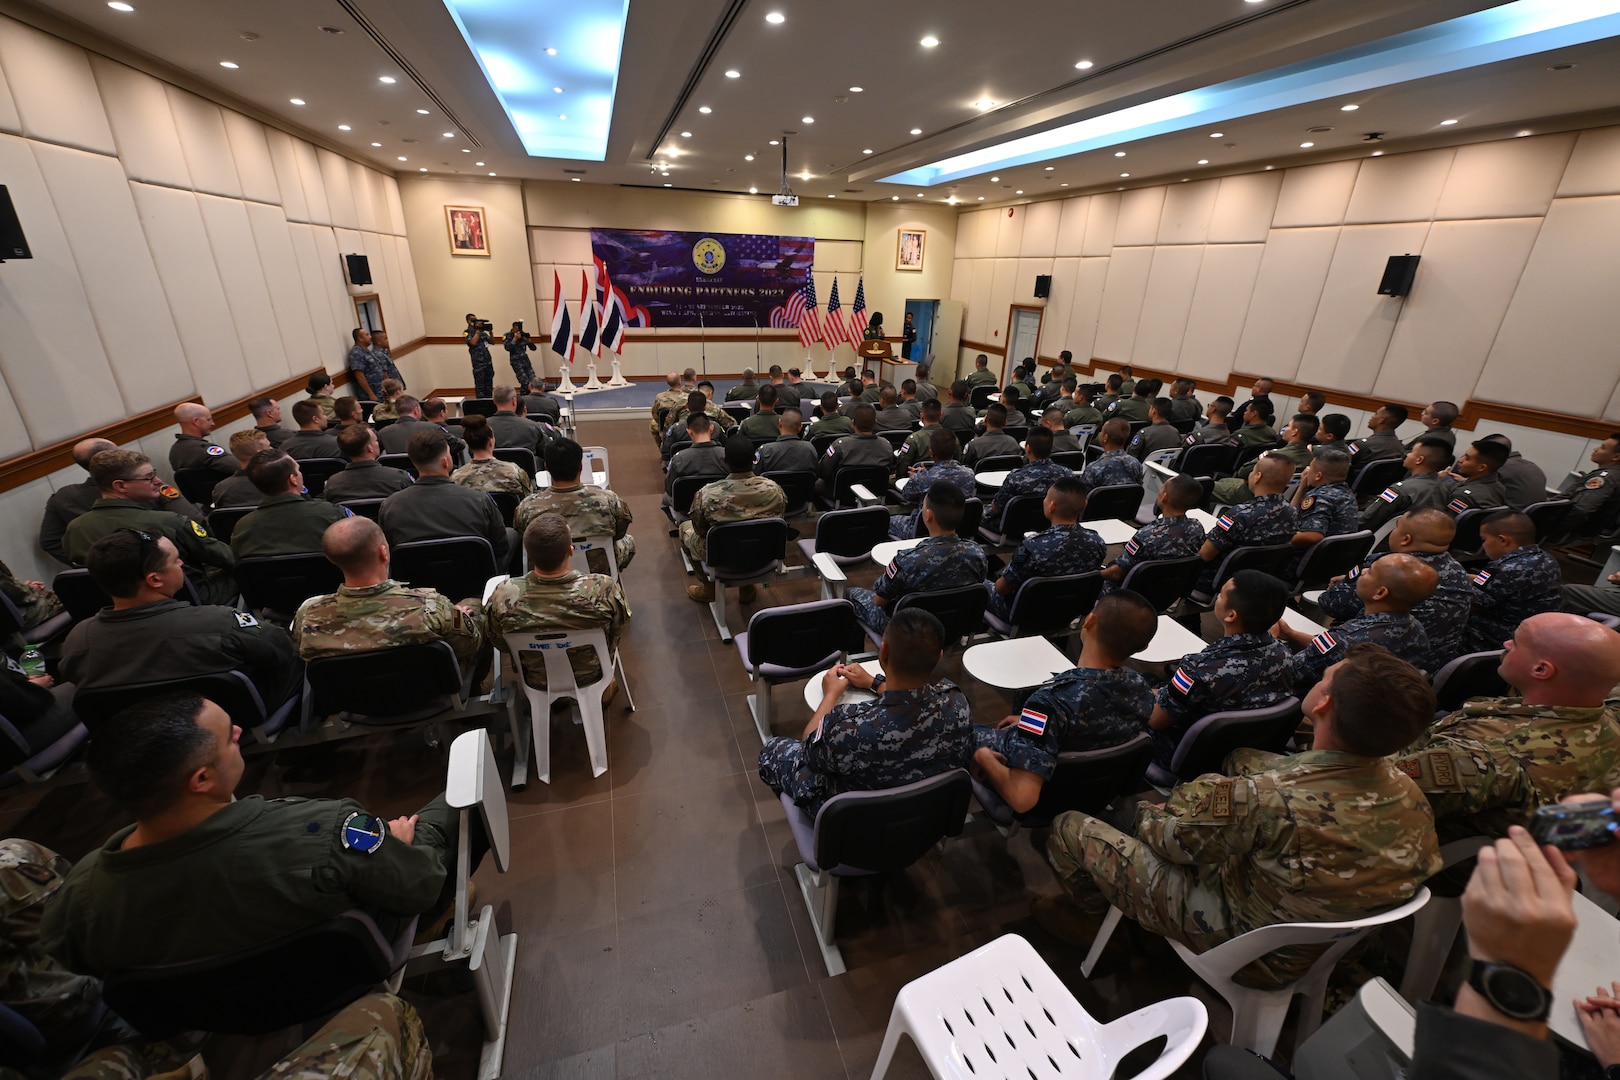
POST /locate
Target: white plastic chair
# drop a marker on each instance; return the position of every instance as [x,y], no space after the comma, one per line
[596,462]
[580,560]
[1258,1015]
[1434,931]
[553,647]
[1000,1011]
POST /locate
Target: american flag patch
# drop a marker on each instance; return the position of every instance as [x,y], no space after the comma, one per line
[1389,495]
[1225,522]
[1132,547]
[1180,681]
[1456,506]
[1325,642]
[1032,722]
[1482,577]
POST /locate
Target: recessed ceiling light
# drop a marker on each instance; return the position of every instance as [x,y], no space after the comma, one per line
[686,134]
[421,112]
[929,42]
[389,79]
[775,17]
[919,194]
[705,110]
[1049,168]
[857,89]
[449,134]
[1020,191]
[376,144]
[1306,145]
[984,103]
[748,157]
[465,150]
[808,119]
[1217,134]
[1348,108]
[1084,65]
[551,52]
[1522,134]
[804,176]
[296,100]
[1447,123]
[993,179]
[556,89]
[866,151]
[832,196]
[1123,175]
[562,116]
[1377,153]
[478,163]
[1060,185]
[666,185]
[344,127]
[1269,168]
[575,179]
[1203,161]
[916,131]
[981,198]
[733,74]
[492,174]
[753,191]
[403,159]
[896,198]
[228,64]
[776,142]
[1119,153]
[422,169]
[118,5]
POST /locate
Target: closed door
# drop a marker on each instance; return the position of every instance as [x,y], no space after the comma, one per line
[1021,340]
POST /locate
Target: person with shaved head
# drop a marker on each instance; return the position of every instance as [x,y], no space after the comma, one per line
[1115,466]
[1522,580]
[1265,519]
[1389,589]
[1491,763]
[191,449]
[1425,482]
[1437,418]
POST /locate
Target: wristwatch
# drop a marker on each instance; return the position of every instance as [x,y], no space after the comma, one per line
[877,682]
[1510,990]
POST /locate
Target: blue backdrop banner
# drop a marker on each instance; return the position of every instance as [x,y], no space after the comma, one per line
[718,279]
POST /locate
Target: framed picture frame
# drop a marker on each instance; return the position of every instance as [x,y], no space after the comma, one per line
[908,254]
[465,225]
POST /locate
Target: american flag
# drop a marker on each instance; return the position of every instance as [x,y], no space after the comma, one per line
[857,314]
[562,327]
[786,316]
[810,319]
[834,329]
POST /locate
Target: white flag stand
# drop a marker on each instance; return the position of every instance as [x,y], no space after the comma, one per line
[618,378]
[810,365]
[593,383]
[564,386]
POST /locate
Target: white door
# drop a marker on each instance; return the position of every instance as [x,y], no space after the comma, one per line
[1026,329]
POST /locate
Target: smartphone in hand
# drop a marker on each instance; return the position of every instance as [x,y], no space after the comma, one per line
[1575,826]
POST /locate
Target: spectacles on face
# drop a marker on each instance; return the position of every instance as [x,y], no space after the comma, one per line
[145,478]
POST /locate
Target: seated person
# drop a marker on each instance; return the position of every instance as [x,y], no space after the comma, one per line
[589,510]
[1158,435]
[1132,405]
[667,401]
[554,596]
[434,508]
[1064,547]
[34,602]
[790,452]
[237,489]
[1296,450]
[1115,467]
[981,375]
[191,449]
[541,406]
[704,457]
[396,437]
[37,706]
[941,468]
[1216,429]
[311,439]
[916,727]
[1437,418]
[245,871]
[1335,429]
[1334,833]
[943,561]
[740,496]
[388,397]
[363,477]
[1033,478]
[1522,580]
[1246,669]
[891,415]
[763,424]
[678,431]
[706,406]
[1096,704]
[862,449]
[915,448]
[958,415]
[831,422]
[1257,417]
[371,611]
[148,636]
[1389,589]
[1082,411]
[1171,535]
[348,412]
[1428,458]
[1062,441]
[511,427]
[486,472]
[1327,507]
[286,522]
[1491,763]
[1476,481]
[1265,519]
[1523,481]
[995,442]
[1383,442]
[745,389]
[1184,403]
[1595,495]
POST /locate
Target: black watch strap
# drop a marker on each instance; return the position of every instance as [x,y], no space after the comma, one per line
[1510,990]
[1612,1073]
[878,680]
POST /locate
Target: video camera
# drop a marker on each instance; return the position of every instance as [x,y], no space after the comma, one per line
[485,325]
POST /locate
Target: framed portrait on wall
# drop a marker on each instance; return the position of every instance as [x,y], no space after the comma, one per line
[467,233]
[909,253]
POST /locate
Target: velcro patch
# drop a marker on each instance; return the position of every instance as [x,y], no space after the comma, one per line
[215,451]
[1325,642]
[201,532]
[1482,577]
[1181,682]
[1132,547]
[1411,767]
[1225,522]
[244,620]
[1457,506]
[1440,768]
[1595,482]
[1307,502]
[1389,495]
[1221,800]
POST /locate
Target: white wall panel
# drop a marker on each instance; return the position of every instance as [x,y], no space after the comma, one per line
[1353,322]
[1041,229]
[961,280]
[331,336]
[964,246]
[1401,187]
[1138,221]
[365,209]
[1101,218]
[1122,298]
[397,312]
[185,265]
[379,200]
[1445,330]
[832,256]
[1188,209]
[1315,195]
[1059,307]
[13,440]
[317,205]
[985,227]
[252,317]
[1563,312]
[286,285]
[203,139]
[1506,179]
[1083,316]
[1244,208]
[1024,284]
[339,193]
[1594,166]
[1071,238]
[396,210]
[254,168]
[126,300]
[9,120]
[53,89]
[1167,304]
[288,179]
[1220,305]
[1285,296]
[572,247]
[977,316]
[413,299]
[1010,230]
[385,281]
[1002,297]
[142,125]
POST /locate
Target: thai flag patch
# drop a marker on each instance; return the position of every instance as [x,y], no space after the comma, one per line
[1353,448]
[1355,572]
[1388,495]
[1032,722]
[894,564]
[1325,642]
[1482,577]
[1180,681]
[1132,547]
[1456,506]
[1225,522]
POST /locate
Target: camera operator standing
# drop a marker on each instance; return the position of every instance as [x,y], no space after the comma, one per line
[479,334]
[518,346]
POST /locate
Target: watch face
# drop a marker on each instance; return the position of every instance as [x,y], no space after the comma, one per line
[1515,993]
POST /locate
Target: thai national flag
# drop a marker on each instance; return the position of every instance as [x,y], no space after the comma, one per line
[832,331]
[1225,522]
[562,327]
[1482,577]
[1180,681]
[1325,643]
[590,331]
[857,314]
[1456,506]
[1389,495]
[1032,722]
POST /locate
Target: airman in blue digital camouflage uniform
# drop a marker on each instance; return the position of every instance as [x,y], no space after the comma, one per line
[1171,535]
[518,345]
[483,367]
[1390,588]
[1522,580]
[1065,547]
[1115,466]
[1326,505]
[941,468]
[942,561]
[1033,478]
[1265,519]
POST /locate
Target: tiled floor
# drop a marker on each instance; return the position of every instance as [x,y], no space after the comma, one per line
[661,932]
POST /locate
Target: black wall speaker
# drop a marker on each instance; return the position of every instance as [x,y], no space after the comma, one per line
[13,244]
[1043,285]
[359,268]
[1398,275]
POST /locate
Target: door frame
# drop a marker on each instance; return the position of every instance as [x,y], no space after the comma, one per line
[1007,349]
[361,299]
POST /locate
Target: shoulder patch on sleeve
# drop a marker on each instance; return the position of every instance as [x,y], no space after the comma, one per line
[201,532]
[1132,547]
[1412,767]
[1181,681]
[215,451]
[244,620]
[1457,506]
[1595,482]
[1220,802]
[1389,495]
[1440,767]
[1482,577]
[1307,502]
[1325,642]
[1225,522]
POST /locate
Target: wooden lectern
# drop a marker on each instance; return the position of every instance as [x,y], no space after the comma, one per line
[877,351]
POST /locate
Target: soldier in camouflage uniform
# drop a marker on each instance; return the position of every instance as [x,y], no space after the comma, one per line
[915,728]
[1265,519]
[1595,495]
[34,602]
[1389,589]
[1064,547]
[589,510]
[1333,833]
[714,412]
[370,611]
[1096,704]
[1491,763]
[518,346]
[1034,478]
[1420,490]
[915,449]
[942,468]
[1246,669]
[554,597]
[670,399]
[1522,580]
[483,367]
[1171,535]
[741,496]
[486,472]
[1326,505]
[1115,466]
[942,561]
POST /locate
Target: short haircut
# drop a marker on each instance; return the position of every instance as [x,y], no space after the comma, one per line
[1444,411]
[791,419]
[317,382]
[1068,495]
[776,369]
[740,453]
[697,401]
[1221,407]
[1052,413]
[1380,702]
[1126,371]
[505,395]
[476,432]
[699,421]
[85,449]
[306,411]
[1259,600]
[1065,355]
[748,374]
[353,440]
[547,541]
[960,390]
[141,757]
[1262,405]
[704,383]
[246,443]
[915,640]
[981,360]
[1307,425]
[260,405]
[1163,406]
[427,447]
[354,335]
[1126,622]
[767,395]
[931,410]
[865,418]
[829,402]
[887,397]
[351,543]
[909,386]
[1115,382]
[1333,461]
[1437,450]
[1512,524]
[1070,383]
[347,408]
[1116,431]
[1315,397]
[1398,413]
[1184,384]
[942,445]
[996,415]
[564,460]
[406,405]
[119,561]
[269,470]
[111,465]
[433,407]
[1336,424]
[1184,492]
[1493,454]
[948,504]
[1039,443]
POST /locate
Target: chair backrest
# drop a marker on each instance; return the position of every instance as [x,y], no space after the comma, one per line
[980,396]
[1113,501]
[507,503]
[317,471]
[1266,558]
[686,489]
[1089,780]
[281,582]
[874,477]
[897,439]
[1022,514]
[473,784]
[1163,457]
[581,558]
[380,683]
[1377,475]
[553,648]
[1046,606]
[1186,426]
[960,609]
[801,636]
[737,410]
[972,518]
[1246,456]
[1070,459]
[822,442]
[366,409]
[889,830]
[79,593]
[197,485]
[745,547]
[232,691]
[1469,522]
[481,406]
[402,462]
[1164,581]
[799,487]
[1333,555]
[1206,459]
[223,520]
[1204,747]
[1470,675]
[1548,516]
[998,463]
[368,508]
[457,566]
[852,533]
[521,456]
[679,445]
[11,619]
[304,975]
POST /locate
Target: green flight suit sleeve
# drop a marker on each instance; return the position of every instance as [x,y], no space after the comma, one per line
[397,878]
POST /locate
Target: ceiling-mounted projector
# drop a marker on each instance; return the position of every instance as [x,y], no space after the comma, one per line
[784,200]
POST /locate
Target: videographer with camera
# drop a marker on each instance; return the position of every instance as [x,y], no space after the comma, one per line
[518,346]
[479,333]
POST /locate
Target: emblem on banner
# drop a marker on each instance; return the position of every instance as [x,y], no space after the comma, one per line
[708,256]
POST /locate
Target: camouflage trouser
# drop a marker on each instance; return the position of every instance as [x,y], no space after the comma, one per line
[483,370]
[1101,866]
[39,605]
[782,767]
[522,370]
[867,610]
[692,542]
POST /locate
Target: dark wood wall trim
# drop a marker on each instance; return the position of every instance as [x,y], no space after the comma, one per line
[980,346]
